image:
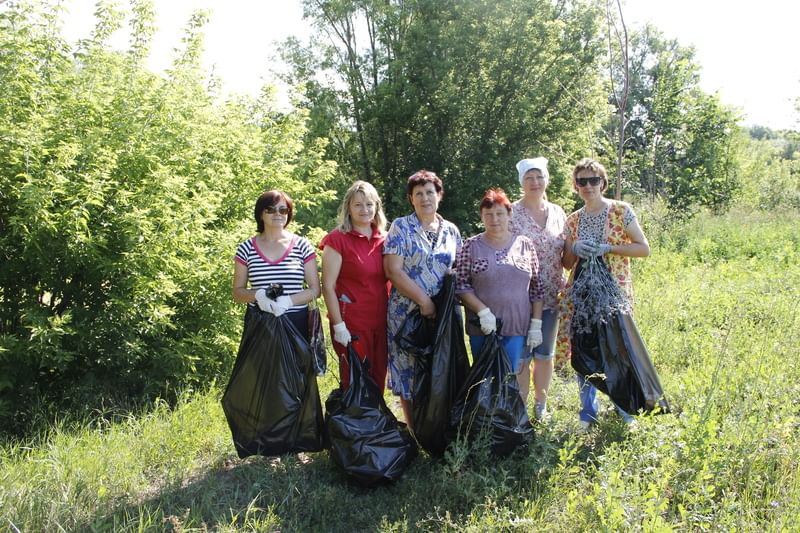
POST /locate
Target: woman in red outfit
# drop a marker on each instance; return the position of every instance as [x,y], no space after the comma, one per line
[354,285]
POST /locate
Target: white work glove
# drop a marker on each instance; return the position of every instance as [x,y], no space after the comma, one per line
[282,304]
[488,321]
[264,303]
[534,334]
[340,334]
[584,248]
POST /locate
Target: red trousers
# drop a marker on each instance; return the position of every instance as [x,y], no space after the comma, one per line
[369,345]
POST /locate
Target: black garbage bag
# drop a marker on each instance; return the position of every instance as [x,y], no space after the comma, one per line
[316,338]
[440,368]
[272,401]
[417,334]
[613,358]
[490,402]
[365,438]
[608,351]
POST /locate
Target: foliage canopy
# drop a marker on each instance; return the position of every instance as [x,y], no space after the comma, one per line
[466,88]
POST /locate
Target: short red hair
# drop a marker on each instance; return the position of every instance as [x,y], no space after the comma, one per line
[495,196]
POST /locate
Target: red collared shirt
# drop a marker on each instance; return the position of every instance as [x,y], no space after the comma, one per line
[361,288]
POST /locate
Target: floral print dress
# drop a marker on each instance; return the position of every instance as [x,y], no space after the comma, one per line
[427,257]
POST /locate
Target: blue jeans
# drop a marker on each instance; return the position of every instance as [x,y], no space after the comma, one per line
[514,345]
[590,404]
[547,349]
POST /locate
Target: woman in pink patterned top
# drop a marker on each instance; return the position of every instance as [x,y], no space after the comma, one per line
[543,222]
[497,275]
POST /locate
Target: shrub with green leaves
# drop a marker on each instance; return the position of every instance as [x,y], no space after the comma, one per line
[123,196]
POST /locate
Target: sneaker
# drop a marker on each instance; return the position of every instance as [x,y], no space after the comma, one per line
[585,425]
[540,412]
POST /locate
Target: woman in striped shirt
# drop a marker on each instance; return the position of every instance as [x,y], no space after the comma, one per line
[276,256]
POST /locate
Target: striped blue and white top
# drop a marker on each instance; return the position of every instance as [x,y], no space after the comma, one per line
[288,270]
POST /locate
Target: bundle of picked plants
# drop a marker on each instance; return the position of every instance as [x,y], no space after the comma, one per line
[596,296]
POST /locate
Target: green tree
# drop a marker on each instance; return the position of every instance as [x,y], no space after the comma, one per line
[464,88]
[771,170]
[124,195]
[680,140]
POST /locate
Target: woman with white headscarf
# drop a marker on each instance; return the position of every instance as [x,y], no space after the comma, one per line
[543,223]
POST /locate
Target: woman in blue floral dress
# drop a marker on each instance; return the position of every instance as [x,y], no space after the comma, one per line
[419,250]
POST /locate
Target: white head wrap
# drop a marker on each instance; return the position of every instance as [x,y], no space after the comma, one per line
[538,163]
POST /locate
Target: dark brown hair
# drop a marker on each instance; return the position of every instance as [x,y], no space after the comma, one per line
[421,177]
[268,199]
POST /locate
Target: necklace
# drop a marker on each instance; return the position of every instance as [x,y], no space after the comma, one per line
[430,226]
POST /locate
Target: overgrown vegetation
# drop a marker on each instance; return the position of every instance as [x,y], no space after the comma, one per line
[121,192]
[681,143]
[718,309]
[463,88]
[123,195]
[467,88]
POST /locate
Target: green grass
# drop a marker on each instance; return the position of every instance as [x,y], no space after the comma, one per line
[717,304]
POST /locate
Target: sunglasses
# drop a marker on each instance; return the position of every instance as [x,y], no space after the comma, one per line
[593,180]
[282,210]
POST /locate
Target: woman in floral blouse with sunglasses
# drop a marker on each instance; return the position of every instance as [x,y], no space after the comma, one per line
[606,228]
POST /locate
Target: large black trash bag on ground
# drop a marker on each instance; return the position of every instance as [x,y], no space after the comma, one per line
[272,401]
[489,401]
[613,358]
[365,438]
[440,367]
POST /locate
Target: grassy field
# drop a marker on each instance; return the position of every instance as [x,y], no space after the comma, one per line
[717,304]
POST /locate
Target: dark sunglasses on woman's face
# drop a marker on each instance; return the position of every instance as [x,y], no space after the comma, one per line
[271,210]
[594,180]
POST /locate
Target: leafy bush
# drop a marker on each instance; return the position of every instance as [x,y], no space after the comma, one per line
[771,177]
[124,195]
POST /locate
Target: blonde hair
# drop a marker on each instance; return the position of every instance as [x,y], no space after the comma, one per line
[369,192]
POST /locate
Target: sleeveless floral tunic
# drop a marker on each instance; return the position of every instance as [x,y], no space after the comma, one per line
[606,227]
